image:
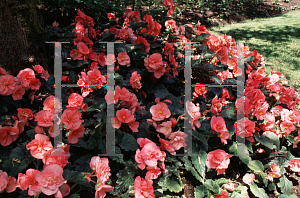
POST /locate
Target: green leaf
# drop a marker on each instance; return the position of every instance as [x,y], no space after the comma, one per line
[75,177]
[264,177]
[128,142]
[189,167]
[258,192]
[75,196]
[201,137]
[216,79]
[264,141]
[242,189]
[249,59]
[256,166]
[161,93]
[19,160]
[174,184]
[271,186]
[230,113]
[199,163]
[274,138]
[210,184]
[285,185]
[125,180]
[200,191]
[243,153]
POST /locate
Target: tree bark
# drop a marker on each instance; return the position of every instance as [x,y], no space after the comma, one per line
[22,35]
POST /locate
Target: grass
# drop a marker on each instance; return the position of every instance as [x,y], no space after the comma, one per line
[276,38]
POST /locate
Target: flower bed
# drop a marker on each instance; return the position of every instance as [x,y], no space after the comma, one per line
[150,114]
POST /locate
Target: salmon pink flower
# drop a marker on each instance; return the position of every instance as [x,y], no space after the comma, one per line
[50,179]
[166,145]
[112,97]
[44,118]
[155,61]
[18,92]
[143,188]
[3,181]
[244,127]
[160,111]
[229,186]
[287,127]
[52,104]
[249,178]
[25,76]
[8,134]
[194,113]
[101,168]
[224,194]
[7,85]
[75,134]
[153,172]
[25,114]
[165,128]
[28,181]
[151,153]
[39,146]
[116,123]
[134,126]
[102,189]
[135,80]
[139,159]
[274,172]
[216,106]
[232,63]
[261,111]
[3,72]
[82,48]
[171,24]
[177,139]
[124,115]
[75,100]
[123,58]
[39,69]
[11,184]
[200,90]
[219,160]
[76,55]
[96,78]
[295,165]
[71,118]
[218,124]
[56,156]
[143,141]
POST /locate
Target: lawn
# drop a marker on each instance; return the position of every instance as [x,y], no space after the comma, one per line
[276,38]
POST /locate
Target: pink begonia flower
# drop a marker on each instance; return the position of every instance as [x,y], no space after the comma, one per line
[166,145]
[178,139]
[219,160]
[139,159]
[18,92]
[124,115]
[194,113]
[261,111]
[143,188]
[28,181]
[101,168]
[123,58]
[75,100]
[25,76]
[216,106]
[229,186]
[224,194]
[3,72]
[3,181]
[96,78]
[287,127]
[71,117]
[165,128]
[274,172]
[116,123]
[52,104]
[295,165]
[55,24]
[135,80]
[143,141]
[249,178]
[56,156]
[11,184]
[75,134]
[112,97]
[160,111]
[53,131]
[50,179]
[8,134]
[152,173]
[102,189]
[134,125]
[155,61]
[7,85]
[218,124]
[244,128]
[151,153]
[39,146]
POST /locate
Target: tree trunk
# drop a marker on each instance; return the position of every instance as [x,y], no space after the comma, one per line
[22,35]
